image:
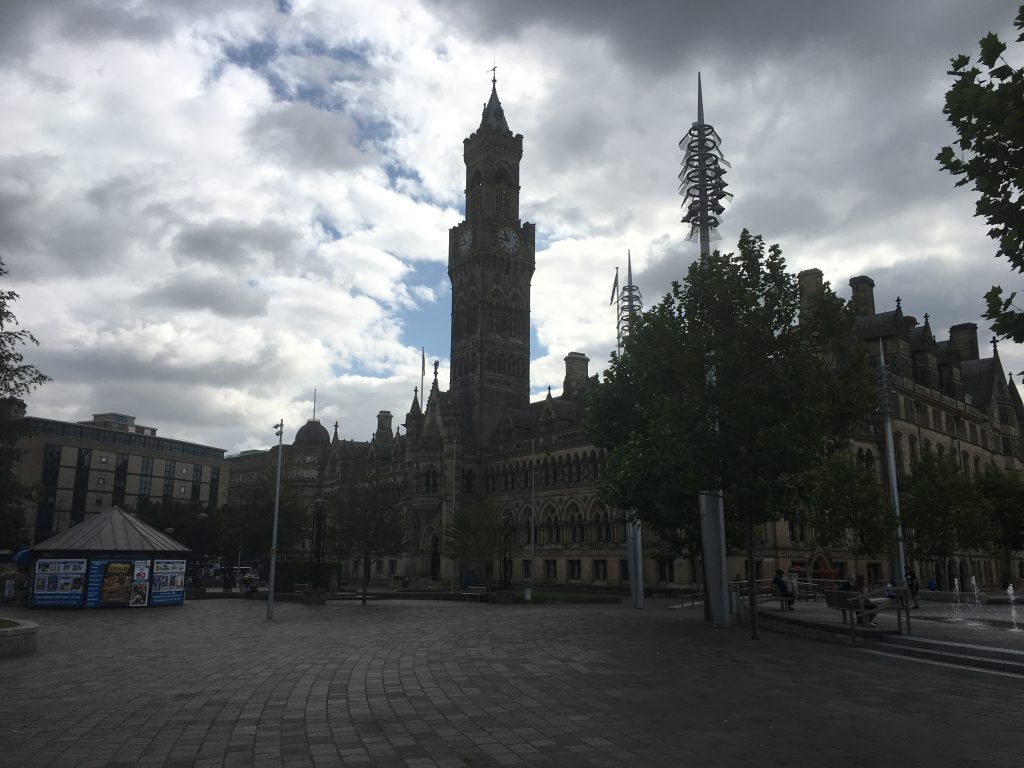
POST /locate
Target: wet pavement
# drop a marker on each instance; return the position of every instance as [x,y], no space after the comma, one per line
[414,683]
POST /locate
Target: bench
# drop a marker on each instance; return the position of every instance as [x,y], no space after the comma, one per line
[777,594]
[474,593]
[853,603]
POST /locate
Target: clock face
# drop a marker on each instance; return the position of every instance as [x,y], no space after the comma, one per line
[508,239]
[465,242]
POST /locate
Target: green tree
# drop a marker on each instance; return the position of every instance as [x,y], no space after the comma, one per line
[370,522]
[248,523]
[719,387]
[987,112]
[17,380]
[1004,492]
[942,510]
[847,507]
[476,534]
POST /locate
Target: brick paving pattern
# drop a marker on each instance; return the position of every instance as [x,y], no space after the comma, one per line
[461,684]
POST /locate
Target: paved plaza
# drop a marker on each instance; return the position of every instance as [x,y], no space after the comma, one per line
[416,683]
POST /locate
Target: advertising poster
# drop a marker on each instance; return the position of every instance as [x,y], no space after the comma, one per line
[58,582]
[115,586]
[168,586]
[140,584]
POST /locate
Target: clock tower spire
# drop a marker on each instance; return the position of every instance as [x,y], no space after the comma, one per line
[490,264]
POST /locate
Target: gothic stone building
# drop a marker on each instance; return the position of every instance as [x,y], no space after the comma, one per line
[949,400]
[482,440]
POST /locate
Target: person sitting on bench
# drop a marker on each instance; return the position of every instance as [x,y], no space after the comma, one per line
[780,584]
[860,587]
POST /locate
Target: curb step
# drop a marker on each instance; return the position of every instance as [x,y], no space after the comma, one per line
[979,657]
[1019,675]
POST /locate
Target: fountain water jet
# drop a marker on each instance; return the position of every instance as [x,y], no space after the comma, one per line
[1013,609]
[956,599]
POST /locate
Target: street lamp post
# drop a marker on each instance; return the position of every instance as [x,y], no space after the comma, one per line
[273,540]
[317,554]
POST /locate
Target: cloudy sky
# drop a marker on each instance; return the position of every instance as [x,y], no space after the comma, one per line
[209,209]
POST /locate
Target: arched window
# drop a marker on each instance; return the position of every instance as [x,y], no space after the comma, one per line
[473,195]
[503,196]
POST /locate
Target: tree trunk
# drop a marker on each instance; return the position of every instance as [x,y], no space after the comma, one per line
[751,578]
[366,579]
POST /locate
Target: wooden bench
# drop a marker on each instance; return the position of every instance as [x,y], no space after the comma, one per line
[852,603]
[474,593]
[839,600]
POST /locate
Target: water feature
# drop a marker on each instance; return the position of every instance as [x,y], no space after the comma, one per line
[1013,609]
[976,608]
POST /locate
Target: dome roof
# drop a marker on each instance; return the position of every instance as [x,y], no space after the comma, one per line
[312,433]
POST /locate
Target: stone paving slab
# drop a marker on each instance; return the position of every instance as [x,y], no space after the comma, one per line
[413,683]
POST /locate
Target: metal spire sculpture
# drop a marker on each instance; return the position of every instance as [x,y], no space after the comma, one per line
[630,305]
[701,182]
[627,313]
[702,186]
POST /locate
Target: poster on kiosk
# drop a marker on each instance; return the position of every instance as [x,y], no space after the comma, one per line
[58,582]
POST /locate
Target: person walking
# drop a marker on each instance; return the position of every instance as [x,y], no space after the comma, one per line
[913,585]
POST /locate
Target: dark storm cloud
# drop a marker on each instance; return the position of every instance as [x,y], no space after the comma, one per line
[300,135]
[218,294]
[232,243]
[107,359]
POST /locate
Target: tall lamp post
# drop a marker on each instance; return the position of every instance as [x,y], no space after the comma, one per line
[273,539]
[317,555]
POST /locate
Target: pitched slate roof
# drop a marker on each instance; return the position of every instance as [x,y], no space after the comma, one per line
[113,530]
[978,378]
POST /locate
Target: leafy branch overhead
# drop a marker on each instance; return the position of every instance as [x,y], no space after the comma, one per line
[987,111]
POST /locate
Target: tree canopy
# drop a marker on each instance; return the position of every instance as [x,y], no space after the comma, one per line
[369,523]
[17,379]
[942,510]
[726,384]
[987,111]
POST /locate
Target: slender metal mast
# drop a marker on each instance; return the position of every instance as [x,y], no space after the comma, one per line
[702,185]
[630,305]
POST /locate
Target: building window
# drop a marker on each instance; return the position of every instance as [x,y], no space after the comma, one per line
[99,502]
[624,570]
[575,570]
[527,569]
[666,571]
[103,459]
[600,569]
[392,567]
[550,569]
[102,481]
[874,572]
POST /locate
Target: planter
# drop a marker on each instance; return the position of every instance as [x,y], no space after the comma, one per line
[19,639]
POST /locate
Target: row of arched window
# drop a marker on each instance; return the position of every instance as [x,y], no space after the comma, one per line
[549,471]
[599,527]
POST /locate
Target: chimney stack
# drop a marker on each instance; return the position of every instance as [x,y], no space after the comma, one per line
[383,425]
[810,282]
[863,295]
[964,339]
[576,374]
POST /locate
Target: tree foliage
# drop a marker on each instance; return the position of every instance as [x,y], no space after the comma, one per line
[848,508]
[17,379]
[720,387]
[476,533]
[369,521]
[942,510]
[1004,492]
[987,111]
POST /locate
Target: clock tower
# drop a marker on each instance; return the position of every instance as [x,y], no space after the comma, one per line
[490,264]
